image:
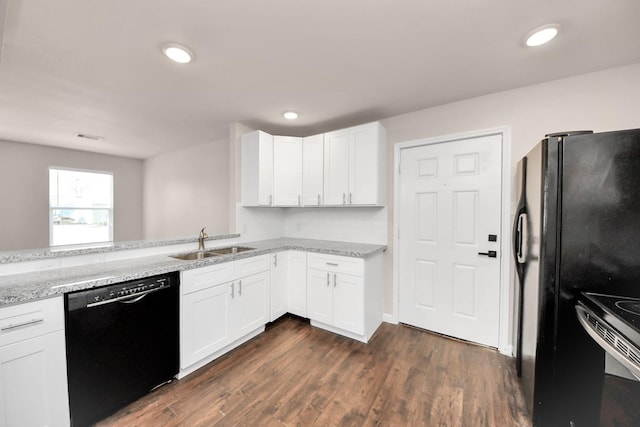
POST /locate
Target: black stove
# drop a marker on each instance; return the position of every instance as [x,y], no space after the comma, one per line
[614,323]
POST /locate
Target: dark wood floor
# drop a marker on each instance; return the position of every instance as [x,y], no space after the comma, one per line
[297,375]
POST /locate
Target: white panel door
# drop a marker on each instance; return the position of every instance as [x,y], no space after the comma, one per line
[33,382]
[336,168]
[312,170]
[363,165]
[450,204]
[297,283]
[348,302]
[319,295]
[250,303]
[265,169]
[205,324]
[287,171]
[279,270]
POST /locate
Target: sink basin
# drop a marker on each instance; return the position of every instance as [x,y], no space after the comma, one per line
[190,256]
[195,255]
[231,250]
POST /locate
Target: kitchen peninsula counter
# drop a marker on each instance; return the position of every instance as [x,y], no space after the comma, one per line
[29,286]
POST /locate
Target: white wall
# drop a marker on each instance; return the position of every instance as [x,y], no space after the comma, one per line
[24,192]
[361,224]
[601,101]
[186,190]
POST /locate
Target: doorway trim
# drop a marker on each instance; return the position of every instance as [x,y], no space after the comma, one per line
[504,324]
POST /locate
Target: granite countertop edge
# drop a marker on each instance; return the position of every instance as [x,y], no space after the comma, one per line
[25,287]
[47,253]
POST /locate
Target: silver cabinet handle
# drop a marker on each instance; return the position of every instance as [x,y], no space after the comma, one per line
[333,264]
[239,287]
[319,200]
[350,198]
[27,323]
[275,260]
[344,199]
[335,280]
[299,200]
[232,289]
[270,199]
[327,279]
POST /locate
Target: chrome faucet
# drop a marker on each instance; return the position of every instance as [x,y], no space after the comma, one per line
[201,238]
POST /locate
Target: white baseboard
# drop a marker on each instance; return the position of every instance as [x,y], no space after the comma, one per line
[389,318]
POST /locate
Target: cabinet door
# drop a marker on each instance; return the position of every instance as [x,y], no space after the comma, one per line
[336,167]
[364,164]
[319,295]
[33,382]
[256,171]
[348,302]
[287,171]
[205,323]
[278,285]
[265,170]
[312,170]
[250,305]
[297,283]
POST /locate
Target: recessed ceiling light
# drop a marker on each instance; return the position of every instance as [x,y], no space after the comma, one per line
[290,115]
[177,53]
[542,35]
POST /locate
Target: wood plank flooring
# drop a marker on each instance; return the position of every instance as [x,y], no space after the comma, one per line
[297,375]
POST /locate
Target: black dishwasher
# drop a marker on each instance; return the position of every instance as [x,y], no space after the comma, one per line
[122,342]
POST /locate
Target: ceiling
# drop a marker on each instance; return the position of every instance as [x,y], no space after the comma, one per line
[96,67]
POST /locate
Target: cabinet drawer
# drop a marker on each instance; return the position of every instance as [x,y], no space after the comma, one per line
[32,319]
[205,277]
[248,266]
[335,263]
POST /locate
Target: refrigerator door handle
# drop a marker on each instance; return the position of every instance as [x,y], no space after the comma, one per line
[521,237]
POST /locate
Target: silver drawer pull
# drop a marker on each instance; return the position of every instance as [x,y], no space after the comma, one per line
[333,264]
[19,325]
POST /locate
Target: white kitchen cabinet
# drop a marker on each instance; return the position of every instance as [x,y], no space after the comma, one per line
[287,171]
[250,303]
[221,306]
[345,294]
[33,370]
[354,166]
[313,170]
[257,169]
[279,270]
[297,283]
[336,299]
[205,326]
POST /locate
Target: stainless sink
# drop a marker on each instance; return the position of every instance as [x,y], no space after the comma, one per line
[231,250]
[194,255]
[190,256]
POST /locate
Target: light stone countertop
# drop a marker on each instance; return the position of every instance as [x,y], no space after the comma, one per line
[24,287]
[47,253]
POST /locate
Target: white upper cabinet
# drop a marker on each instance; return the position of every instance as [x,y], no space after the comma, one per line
[313,170]
[341,168]
[257,169]
[336,167]
[354,166]
[287,171]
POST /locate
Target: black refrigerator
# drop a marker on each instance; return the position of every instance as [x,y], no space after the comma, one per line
[576,229]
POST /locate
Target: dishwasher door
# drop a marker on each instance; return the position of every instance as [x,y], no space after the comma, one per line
[122,342]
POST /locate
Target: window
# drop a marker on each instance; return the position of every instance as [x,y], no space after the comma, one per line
[80,207]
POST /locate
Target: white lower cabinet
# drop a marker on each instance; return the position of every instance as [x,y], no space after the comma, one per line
[279,282]
[344,294]
[205,326]
[33,370]
[297,283]
[222,306]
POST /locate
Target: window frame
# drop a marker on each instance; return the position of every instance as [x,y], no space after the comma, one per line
[53,208]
